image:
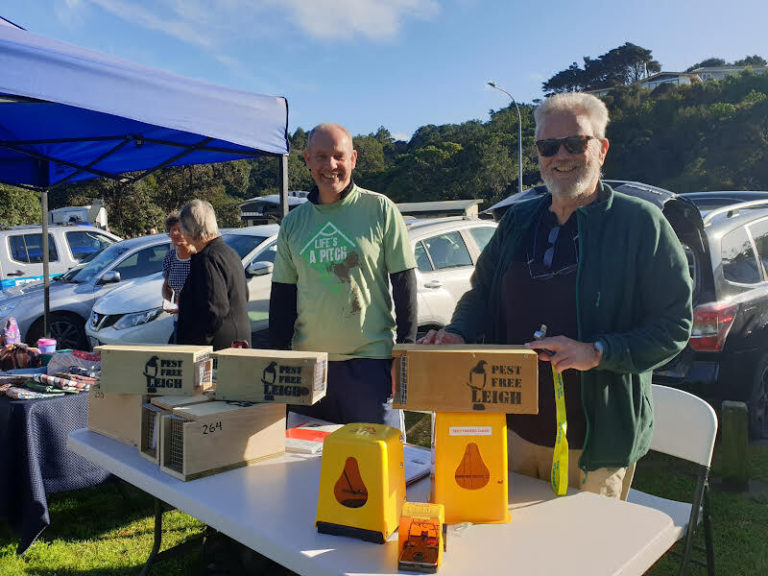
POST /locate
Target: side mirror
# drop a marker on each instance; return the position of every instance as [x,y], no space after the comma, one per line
[111,277]
[259,269]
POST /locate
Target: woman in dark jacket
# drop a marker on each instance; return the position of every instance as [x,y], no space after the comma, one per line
[213,306]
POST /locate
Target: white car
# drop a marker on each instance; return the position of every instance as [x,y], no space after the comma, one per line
[446,250]
[134,314]
[21,251]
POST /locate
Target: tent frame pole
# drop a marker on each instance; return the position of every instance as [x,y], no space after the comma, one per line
[46,279]
[283,185]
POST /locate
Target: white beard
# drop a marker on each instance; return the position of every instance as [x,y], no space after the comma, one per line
[583,185]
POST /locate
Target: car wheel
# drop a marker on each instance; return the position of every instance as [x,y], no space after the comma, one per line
[758,402]
[67,329]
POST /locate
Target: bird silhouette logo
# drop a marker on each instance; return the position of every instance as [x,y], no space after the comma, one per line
[151,372]
[268,377]
[478,379]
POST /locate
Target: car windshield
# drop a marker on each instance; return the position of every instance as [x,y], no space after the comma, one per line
[69,274]
[96,266]
[243,244]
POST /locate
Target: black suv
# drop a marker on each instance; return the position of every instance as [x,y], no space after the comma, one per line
[725,237]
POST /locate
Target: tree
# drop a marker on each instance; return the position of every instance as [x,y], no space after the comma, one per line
[617,67]
[19,206]
[751,61]
[568,80]
[708,63]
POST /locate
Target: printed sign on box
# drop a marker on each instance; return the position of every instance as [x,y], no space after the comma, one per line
[466,378]
[164,370]
[288,376]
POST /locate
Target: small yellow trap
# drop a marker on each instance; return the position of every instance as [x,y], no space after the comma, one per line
[362,482]
[470,476]
[421,537]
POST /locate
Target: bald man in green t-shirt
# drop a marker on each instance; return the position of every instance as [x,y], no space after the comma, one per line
[336,257]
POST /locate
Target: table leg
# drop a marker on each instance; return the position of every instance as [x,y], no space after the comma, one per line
[155,554]
[158,536]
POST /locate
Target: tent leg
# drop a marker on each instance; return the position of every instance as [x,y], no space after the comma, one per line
[284,185]
[46,279]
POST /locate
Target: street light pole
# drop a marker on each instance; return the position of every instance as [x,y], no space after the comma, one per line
[519,135]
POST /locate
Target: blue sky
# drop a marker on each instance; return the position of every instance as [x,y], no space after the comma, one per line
[400,64]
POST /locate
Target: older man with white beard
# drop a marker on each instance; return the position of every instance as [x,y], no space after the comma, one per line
[607,275]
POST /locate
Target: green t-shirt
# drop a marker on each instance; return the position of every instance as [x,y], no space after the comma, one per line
[340,257]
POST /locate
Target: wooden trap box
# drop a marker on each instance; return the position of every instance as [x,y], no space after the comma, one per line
[151,414]
[466,378]
[117,416]
[288,376]
[177,370]
[203,439]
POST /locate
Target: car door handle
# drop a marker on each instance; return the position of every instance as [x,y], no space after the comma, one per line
[16,273]
[433,284]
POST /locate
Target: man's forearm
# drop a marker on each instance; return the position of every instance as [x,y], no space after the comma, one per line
[282,315]
[405,298]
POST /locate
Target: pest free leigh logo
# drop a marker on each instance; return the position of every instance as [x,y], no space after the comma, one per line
[283,381]
[163,373]
[494,384]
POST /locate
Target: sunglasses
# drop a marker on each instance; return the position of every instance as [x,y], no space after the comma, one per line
[547,259]
[573,144]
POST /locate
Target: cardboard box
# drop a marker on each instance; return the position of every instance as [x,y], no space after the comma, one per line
[287,376]
[152,412]
[117,416]
[177,370]
[203,439]
[466,378]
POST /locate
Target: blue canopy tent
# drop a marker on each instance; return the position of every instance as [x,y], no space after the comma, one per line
[68,114]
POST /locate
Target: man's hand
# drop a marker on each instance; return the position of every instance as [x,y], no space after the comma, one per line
[440,337]
[567,353]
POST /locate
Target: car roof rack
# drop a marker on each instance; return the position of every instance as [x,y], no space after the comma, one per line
[732,210]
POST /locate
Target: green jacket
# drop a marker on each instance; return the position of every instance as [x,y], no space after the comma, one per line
[633,293]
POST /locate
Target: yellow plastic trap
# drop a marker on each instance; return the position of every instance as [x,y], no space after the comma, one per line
[470,476]
[421,537]
[362,482]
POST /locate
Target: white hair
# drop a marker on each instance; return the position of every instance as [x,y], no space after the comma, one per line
[576,103]
[197,220]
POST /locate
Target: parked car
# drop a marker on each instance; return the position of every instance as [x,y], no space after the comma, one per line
[133,314]
[725,238]
[21,251]
[73,293]
[446,250]
[727,355]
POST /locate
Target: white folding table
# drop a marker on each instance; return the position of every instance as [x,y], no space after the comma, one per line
[271,506]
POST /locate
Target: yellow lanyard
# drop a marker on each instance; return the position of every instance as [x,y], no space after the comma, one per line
[560,456]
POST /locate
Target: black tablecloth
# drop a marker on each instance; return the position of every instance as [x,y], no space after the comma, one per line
[34,460]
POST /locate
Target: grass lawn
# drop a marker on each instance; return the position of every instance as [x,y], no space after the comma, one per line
[108,530]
